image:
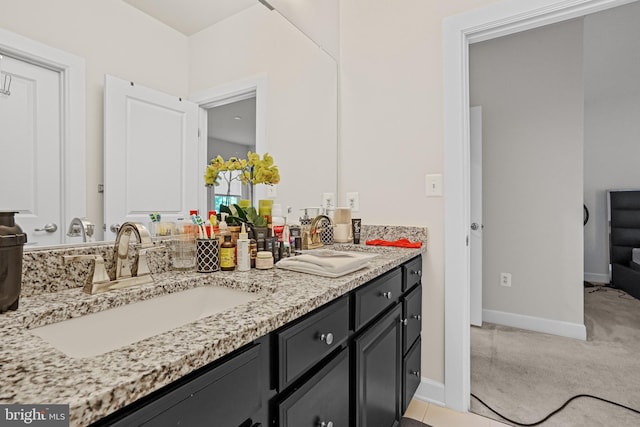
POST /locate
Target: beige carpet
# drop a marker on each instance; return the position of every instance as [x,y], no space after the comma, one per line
[526,375]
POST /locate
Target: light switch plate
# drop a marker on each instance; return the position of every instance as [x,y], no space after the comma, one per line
[433,185]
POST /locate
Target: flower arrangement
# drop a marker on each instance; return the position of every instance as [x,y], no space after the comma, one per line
[253,170]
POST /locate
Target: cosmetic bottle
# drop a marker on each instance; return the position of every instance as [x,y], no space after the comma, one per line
[244,256]
[277,221]
[253,249]
[227,254]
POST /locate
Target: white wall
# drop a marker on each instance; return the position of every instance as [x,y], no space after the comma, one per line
[612,125]
[531,90]
[113,38]
[301,95]
[391,102]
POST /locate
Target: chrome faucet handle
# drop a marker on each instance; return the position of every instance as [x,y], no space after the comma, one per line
[143,266]
[97,274]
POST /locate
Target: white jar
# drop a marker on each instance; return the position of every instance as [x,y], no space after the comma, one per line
[264,260]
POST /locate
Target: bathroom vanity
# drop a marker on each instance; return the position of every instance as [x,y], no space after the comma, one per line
[308,350]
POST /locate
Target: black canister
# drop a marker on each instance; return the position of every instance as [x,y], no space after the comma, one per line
[12,239]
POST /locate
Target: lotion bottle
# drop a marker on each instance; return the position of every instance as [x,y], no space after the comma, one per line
[244,255]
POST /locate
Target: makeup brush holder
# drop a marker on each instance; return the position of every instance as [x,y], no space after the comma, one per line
[12,239]
[207,255]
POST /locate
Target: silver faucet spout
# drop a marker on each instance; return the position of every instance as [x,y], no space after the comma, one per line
[138,266]
[81,227]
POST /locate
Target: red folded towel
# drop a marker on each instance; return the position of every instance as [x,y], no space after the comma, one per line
[402,243]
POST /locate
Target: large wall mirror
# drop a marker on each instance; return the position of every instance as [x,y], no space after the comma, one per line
[297,124]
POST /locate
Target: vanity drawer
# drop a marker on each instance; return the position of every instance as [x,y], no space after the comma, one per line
[307,342]
[324,398]
[412,317]
[374,297]
[230,393]
[411,370]
[412,272]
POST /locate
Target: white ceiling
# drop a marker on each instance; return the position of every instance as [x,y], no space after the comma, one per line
[191,16]
[222,123]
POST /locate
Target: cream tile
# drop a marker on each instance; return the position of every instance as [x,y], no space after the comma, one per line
[416,410]
[438,416]
[499,424]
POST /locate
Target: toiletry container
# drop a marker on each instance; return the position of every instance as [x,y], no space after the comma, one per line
[227,254]
[243,250]
[12,239]
[183,247]
[342,228]
[264,260]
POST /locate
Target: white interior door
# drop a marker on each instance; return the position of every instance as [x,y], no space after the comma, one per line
[150,154]
[475,126]
[31,147]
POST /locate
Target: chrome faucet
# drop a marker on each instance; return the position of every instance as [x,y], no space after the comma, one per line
[125,273]
[138,266]
[81,227]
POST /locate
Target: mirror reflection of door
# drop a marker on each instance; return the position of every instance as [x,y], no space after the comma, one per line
[231,132]
[30,143]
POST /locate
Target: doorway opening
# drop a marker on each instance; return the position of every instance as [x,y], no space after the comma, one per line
[459,32]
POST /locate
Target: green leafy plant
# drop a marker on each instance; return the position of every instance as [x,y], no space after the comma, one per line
[237,215]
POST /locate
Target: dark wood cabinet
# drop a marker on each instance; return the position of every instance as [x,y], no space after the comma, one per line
[352,362]
[324,398]
[373,298]
[231,392]
[412,317]
[306,342]
[411,373]
[378,364]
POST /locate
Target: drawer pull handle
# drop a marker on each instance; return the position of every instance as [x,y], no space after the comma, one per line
[417,272]
[327,338]
[416,373]
[327,424]
[387,295]
[417,317]
[404,322]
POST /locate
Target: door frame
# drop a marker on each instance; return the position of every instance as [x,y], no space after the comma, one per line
[459,31]
[225,94]
[73,126]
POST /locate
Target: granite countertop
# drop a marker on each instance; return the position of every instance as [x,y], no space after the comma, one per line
[34,372]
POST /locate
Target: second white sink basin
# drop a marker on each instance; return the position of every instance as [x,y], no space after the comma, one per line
[98,333]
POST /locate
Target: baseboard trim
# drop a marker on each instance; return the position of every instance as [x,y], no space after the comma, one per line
[430,391]
[537,324]
[596,277]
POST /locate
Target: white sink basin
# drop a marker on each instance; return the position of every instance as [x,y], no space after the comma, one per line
[98,333]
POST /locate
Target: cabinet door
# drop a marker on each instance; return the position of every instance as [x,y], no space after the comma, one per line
[378,363]
[412,312]
[324,398]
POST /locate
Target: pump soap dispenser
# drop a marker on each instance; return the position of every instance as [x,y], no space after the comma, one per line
[12,239]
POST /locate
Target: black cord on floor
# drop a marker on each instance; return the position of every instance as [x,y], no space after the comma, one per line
[554,412]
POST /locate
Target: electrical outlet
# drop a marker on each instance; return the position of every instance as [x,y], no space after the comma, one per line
[328,200]
[505,279]
[353,201]
[272,191]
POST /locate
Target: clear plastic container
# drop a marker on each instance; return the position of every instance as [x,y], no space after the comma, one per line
[183,249]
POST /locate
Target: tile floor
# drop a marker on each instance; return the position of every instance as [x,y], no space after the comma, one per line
[437,416]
